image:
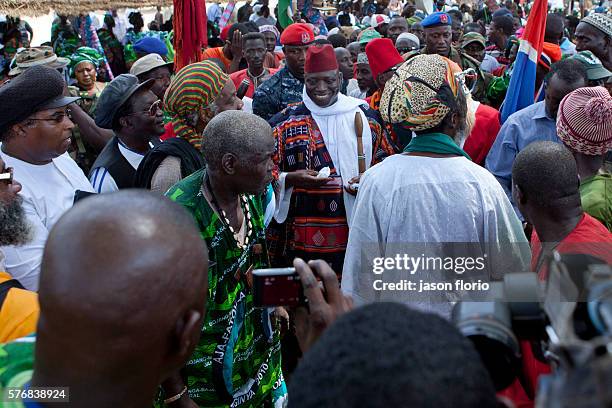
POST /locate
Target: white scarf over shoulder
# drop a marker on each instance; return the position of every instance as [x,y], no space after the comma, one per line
[337,125]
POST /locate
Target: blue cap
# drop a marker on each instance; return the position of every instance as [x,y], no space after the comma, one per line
[436,19]
[151,45]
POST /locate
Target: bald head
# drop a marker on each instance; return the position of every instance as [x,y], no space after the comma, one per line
[236,132]
[546,177]
[123,276]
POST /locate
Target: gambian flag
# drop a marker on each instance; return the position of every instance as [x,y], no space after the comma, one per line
[521,91]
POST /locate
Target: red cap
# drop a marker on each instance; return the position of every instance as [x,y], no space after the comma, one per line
[382,56]
[297,34]
[320,58]
[225,32]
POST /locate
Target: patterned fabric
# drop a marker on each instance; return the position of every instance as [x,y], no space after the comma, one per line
[65,40]
[194,87]
[483,79]
[412,104]
[237,347]
[602,22]
[81,151]
[84,54]
[113,51]
[277,93]
[316,226]
[16,366]
[584,120]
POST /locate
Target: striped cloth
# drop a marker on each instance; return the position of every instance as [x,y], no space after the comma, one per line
[193,89]
[584,121]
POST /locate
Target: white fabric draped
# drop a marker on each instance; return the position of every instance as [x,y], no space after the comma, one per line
[337,126]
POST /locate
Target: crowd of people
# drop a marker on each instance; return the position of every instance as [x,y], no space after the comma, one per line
[137,199]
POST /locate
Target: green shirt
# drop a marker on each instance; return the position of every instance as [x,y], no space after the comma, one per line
[239,349]
[596,196]
[16,367]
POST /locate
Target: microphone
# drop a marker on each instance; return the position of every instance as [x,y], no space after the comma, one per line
[243,88]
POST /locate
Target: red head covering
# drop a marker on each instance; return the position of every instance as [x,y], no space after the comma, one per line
[551,53]
[320,58]
[297,34]
[382,56]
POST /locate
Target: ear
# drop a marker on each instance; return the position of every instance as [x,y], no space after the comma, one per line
[18,129]
[228,163]
[124,122]
[185,337]
[518,195]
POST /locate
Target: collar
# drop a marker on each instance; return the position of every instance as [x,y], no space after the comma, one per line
[540,111]
[288,73]
[133,157]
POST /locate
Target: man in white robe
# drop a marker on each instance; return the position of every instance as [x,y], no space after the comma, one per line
[429,217]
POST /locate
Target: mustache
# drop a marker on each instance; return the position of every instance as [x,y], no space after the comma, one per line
[14,226]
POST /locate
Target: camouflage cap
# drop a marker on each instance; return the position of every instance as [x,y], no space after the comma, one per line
[34,56]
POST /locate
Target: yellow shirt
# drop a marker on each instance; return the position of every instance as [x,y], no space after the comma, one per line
[19,312]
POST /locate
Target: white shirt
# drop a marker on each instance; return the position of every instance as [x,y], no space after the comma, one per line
[424,200]
[101,179]
[489,63]
[353,89]
[121,27]
[48,192]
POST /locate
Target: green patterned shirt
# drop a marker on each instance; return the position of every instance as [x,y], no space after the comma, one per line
[237,362]
[16,367]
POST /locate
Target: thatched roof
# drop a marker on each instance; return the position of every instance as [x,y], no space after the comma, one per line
[73,7]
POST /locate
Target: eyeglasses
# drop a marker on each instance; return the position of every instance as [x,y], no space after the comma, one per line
[6,177]
[403,50]
[56,117]
[152,111]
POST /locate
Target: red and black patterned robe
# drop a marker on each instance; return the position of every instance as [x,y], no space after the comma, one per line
[316,225]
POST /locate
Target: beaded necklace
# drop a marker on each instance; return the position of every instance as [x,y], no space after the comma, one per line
[244,204]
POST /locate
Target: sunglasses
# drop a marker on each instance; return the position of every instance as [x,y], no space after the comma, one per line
[404,50]
[152,111]
[6,177]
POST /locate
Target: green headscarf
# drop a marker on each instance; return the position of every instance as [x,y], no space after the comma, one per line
[84,54]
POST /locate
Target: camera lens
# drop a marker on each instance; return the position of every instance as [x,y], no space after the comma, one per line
[489,326]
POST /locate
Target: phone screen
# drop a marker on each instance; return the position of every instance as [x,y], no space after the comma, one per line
[277,287]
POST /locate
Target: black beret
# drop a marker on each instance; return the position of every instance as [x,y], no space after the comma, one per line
[37,88]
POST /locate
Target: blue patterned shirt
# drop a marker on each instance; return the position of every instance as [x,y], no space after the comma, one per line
[277,93]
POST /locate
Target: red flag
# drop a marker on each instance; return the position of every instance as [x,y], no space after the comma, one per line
[190,32]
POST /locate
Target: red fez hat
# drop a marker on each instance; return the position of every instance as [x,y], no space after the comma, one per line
[297,34]
[320,58]
[382,56]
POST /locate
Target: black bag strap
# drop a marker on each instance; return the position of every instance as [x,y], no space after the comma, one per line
[6,286]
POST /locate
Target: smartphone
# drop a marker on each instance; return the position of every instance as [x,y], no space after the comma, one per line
[277,287]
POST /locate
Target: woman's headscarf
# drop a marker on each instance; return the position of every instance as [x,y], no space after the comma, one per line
[410,98]
[194,88]
[84,54]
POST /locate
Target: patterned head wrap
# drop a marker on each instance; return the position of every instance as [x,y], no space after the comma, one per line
[408,102]
[584,120]
[194,88]
[362,58]
[84,54]
[602,22]
[271,29]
